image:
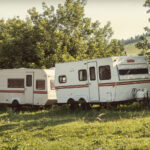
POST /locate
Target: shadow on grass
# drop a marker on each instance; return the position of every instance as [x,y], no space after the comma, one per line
[38,120]
[7,127]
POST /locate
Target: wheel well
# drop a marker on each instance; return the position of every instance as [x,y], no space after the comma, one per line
[15,101]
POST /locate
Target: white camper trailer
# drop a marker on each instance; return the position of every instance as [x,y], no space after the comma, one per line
[105,80]
[27,87]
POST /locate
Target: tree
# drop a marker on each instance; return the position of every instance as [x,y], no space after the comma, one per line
[144,43]
[17,44]
[53,36]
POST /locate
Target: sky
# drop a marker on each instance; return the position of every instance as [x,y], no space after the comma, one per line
[128,17]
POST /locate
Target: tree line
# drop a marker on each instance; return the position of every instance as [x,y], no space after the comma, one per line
[134,39]
[53,36]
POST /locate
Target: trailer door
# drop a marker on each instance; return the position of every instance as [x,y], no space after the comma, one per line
[29,89]
[93,82]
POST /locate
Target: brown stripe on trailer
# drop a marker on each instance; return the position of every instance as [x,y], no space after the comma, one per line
[11,91]
[124,83]
[104,84]
[40,92]
[107,84]
[133,82]
[71,86]
[21,91]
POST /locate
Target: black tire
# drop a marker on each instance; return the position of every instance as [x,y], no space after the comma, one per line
[15,106]
[73,105]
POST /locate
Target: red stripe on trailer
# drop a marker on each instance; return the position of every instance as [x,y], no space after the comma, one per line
[11,91]
[40,92]
[133,82]
[71,86]
[107,84]
[104,84]
[124,83]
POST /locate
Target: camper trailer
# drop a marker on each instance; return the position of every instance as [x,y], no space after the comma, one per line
[103,81]
[27,87]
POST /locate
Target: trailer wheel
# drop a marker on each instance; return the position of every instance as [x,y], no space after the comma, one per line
[15,105]
[84,105]
[73,105]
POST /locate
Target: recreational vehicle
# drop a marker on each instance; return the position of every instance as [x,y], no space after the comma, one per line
[110,80]
[27,87]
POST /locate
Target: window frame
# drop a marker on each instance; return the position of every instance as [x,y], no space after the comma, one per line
[39,80]
[8,84]
[133,71]
[109,72]
[61,76]
[79,74]
[28,83]
[92,79]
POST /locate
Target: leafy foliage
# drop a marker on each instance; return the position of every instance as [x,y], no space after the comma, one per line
[144,43]
[53,36]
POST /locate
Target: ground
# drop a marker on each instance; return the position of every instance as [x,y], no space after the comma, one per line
[126,127]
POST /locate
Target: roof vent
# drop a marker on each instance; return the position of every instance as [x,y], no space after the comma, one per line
[130,60]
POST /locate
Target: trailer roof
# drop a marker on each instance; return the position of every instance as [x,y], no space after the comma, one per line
[45,71]
[28,69]
[109,58]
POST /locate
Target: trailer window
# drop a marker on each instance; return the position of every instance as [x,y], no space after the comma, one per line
[92,73]
[133,71]
[52,85]
[29,80]
[62,79]
[40,84]
[82,75]
[15,83]
[104,73]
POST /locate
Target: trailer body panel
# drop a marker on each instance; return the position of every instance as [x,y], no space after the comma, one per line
[27,86]
[103,80]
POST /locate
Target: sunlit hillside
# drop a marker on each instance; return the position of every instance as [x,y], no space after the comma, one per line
[131,49]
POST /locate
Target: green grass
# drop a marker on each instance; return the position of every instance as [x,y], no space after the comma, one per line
[132,50]
[127,127]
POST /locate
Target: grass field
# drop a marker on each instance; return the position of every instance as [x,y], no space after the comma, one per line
[132,50]
[127,127]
